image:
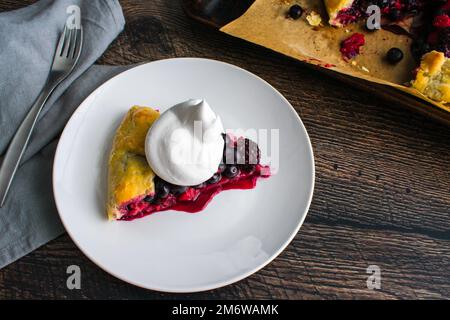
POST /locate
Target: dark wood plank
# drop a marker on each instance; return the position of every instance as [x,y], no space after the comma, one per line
[382,188]
[322,262]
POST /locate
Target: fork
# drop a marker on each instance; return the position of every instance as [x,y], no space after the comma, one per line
[66,57]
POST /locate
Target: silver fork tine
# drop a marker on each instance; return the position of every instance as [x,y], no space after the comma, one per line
[79,44]
[69,43]
[66,42]
[74,45]
[62,38]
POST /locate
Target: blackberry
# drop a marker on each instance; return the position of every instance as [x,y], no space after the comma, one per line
[247,151]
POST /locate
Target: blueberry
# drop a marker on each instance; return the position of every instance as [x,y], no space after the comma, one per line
[295,11]
[221,168]
[199,186]
[214,179]
[162,189]
[394,55]
[231,172]
[177,190]
[149,198]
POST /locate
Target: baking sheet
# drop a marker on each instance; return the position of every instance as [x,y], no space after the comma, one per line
[265,23]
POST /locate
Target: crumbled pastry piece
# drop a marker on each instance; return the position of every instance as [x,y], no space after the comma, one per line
[433,77]
[314,19]
[364,69]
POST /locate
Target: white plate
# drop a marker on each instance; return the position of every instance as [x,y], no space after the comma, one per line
[237,234]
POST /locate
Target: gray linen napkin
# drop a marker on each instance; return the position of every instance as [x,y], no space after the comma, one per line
[28,39]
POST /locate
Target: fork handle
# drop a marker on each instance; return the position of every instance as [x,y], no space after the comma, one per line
[20,141]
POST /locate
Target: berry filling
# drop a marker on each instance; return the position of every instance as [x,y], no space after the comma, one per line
[394,10]
[240,169]
[441,21]
[352,14]
[351,46]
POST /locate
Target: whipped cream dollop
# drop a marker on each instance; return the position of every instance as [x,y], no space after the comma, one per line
[185,145]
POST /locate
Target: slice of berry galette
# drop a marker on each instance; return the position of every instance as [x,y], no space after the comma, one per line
[134,190]
[130,178]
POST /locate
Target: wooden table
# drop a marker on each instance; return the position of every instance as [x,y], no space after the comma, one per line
[382,194]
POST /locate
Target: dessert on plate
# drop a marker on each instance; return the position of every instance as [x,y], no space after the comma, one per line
[176,160]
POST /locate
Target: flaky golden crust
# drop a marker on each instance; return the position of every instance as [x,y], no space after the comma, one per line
[129,175]
[334,7]
[433,76]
